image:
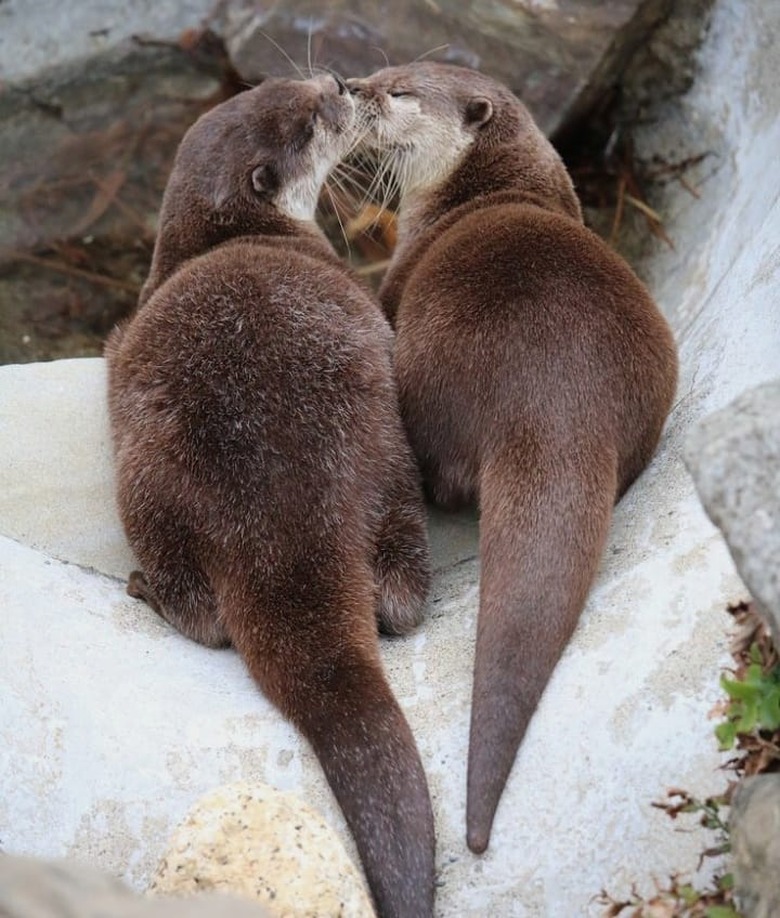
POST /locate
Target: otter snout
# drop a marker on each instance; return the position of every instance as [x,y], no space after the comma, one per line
[336,105]
[326,81]
[341,83]
[363,91]
[368,104]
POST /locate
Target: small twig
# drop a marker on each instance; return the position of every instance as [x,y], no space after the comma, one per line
[646,209]
[653,219]
[373,268]
[90,276]
[678,167]
[688,187]
[618,219]
[130,212]
[106,193]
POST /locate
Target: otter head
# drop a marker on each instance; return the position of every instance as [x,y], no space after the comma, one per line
[270,146]
[438,127]
[254,164]
[419,119]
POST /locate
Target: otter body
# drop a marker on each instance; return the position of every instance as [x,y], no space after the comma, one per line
[534,371]
[264,479]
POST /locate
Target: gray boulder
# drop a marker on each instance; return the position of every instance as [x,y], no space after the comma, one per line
[734,458]
[755,846]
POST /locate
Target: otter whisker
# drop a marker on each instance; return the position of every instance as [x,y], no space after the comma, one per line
[387,180]
[383,167]
[284,54]
[334,204]
[308,46]
[349,185]
[347,182]
[382,52]
[432,51]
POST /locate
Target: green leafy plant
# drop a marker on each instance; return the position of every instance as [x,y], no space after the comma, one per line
[754,701]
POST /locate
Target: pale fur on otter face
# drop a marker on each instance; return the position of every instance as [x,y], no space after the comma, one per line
[420,127]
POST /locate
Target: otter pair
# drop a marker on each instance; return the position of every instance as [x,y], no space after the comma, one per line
[265,480]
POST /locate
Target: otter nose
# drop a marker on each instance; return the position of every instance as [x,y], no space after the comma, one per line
[323,81]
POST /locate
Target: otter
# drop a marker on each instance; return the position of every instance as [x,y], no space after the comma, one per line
[264,479]
[534,371]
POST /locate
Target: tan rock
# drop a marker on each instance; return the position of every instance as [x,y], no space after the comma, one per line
[254,841]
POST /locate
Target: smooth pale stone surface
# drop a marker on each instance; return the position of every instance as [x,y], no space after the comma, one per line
[57,475]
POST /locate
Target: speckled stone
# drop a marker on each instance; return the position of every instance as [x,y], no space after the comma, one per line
[254,841]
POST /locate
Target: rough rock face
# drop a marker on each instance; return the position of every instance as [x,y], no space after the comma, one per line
[89,124]
[755,845]
[560,56]
[31,888]
[734,457]
[265,845]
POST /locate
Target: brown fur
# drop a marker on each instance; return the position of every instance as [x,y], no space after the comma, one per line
[534,371]
[264,479]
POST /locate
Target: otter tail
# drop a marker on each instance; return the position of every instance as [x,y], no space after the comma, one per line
[334,690]
[543,522]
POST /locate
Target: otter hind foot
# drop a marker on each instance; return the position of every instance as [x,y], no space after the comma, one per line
[194,615]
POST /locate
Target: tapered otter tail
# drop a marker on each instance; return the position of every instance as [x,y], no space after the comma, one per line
[543,523]
[371,762]
[343,705]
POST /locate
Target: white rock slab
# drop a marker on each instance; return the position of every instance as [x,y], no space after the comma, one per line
[111,725]
[58,481]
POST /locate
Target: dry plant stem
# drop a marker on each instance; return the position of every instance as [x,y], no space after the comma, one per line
[375,268]
[106,193]
[130,212]
[618,219]
[694,192]
[90,276]
[634,196]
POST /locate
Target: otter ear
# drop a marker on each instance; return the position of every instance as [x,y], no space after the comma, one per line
[478,111]
[265,181]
